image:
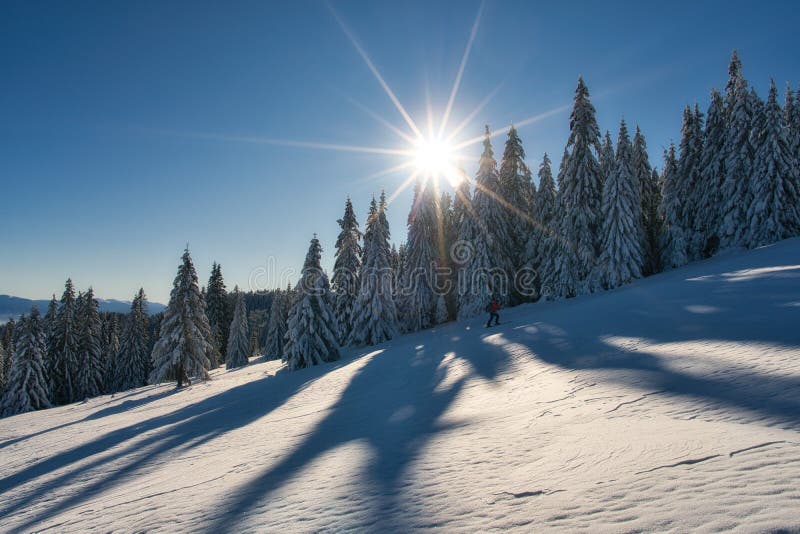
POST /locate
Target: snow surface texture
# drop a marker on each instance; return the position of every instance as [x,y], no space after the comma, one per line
[672,404]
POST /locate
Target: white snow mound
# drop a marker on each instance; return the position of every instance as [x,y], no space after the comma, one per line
[672,404]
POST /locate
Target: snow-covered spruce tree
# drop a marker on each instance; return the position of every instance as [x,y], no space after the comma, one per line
[448,277]
[218,312]
[238,353]
[374,313]
[312,337]
[3,375]
[132,363]
[491,209]
[788,116]
[276,328]
[111,332]
[185,347]
[64,356]
[793,125]
[518,192]
[650,196]
[91,370]
[673,248]
[544,211]
[739,153]
[621,257]
[708,190]
[608,160]
[775,211]
[28,388]
[418,299]
[346,269]
[476,273]
[691,149]
[580,186]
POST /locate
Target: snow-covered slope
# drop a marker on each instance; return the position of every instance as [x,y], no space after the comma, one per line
[672,404]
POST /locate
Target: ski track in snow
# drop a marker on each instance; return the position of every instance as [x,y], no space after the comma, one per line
[672,404]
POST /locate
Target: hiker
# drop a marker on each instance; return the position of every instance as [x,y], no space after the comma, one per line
[493,307]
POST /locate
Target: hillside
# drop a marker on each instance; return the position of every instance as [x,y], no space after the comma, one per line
[672,404]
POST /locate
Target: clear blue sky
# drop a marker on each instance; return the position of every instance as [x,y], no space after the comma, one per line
[117,118]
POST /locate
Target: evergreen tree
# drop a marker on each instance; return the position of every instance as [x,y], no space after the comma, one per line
[3,376]
[276,328]
[28,387]
[185,346]
[775,211]
[238,353]
[789,114]
[735,194]
[419,295]
[491,210]
[650,196]
[346,269]
[580,186]
[476,273]
[447,277]
[312,337]
[90,348]
[537,248]
[621,257]
[64,357]
[374,313]
[111,334]
[708,192]
[673,249]
[218,312]
[691,149]
[132,362]
[517,192]
[608,160]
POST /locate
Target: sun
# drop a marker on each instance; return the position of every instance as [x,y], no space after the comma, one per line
[436,158]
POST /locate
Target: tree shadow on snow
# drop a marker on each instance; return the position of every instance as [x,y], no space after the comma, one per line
[116,456]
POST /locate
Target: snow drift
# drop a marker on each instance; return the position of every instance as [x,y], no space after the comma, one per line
[672,404]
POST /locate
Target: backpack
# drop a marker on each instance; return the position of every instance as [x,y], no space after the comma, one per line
[489,307]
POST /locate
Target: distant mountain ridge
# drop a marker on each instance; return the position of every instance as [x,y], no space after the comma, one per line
[11,306]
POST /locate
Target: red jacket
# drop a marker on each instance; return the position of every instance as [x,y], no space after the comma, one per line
[494,306]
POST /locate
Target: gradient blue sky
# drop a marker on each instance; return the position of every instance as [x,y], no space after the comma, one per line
[114,115]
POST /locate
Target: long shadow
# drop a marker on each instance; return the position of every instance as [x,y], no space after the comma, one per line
[99,414]
[202,421]
[394,408]
[728,307]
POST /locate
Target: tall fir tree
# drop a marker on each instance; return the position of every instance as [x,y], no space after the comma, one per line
[691,149]
[478,277]
[418,300]
[673,248]
[185,347]
[580,184]
[775,211]
[91,370]
[374,313]
[276,327]
[708,191]
[491,209]
[132,363]
[238,353]
[739,153]
[608,159]
[28,388]
[650,197]
[448,277]
[312,337]
[517,192]
[218,312]
[537,247]
[346,270]
[65,350]
[621,257]
[111,333]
